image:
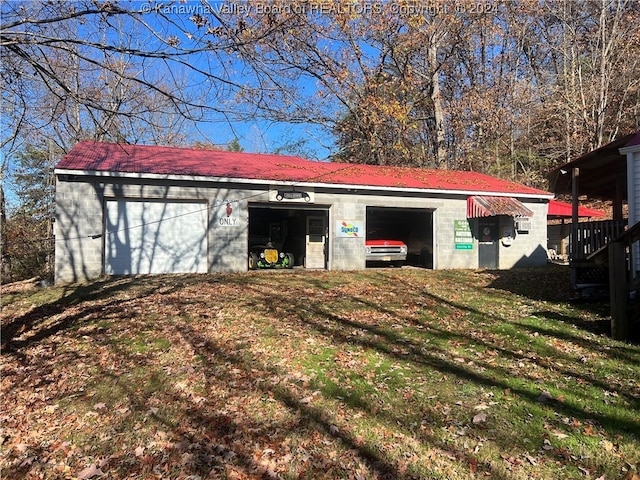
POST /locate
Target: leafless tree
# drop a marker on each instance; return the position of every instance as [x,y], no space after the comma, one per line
[102,70]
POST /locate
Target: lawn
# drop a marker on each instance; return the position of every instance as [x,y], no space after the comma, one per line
[385,373]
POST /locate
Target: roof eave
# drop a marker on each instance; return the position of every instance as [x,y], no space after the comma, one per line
[629,149]
[257,181]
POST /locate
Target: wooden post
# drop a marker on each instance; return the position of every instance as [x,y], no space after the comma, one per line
[575,175]
[618,291]
[618,198]
[573,250]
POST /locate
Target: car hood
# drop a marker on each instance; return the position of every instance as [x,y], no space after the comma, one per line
[384,242]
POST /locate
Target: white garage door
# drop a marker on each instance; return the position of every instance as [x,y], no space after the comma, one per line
[155,237]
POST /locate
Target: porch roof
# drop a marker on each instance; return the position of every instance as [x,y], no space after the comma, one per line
[603,172]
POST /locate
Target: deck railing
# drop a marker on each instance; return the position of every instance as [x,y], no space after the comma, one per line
[592,236]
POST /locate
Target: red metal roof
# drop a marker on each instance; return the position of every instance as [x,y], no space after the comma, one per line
[143,159]
[562,209]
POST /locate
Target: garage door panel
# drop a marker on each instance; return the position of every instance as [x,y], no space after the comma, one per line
[155,237]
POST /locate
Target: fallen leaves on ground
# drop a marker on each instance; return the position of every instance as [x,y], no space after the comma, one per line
[383,374]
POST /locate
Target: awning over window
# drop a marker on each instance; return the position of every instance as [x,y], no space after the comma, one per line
[484,206]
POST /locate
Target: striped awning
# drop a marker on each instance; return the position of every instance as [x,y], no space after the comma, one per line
[485,206]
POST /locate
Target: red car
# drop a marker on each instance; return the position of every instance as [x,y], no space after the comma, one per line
[393,252]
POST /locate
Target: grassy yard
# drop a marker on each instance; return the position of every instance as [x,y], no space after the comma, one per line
[386,373]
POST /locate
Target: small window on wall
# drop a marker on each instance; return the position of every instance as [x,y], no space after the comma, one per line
[523,225]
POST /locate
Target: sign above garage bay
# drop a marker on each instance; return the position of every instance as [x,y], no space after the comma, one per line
[288,194]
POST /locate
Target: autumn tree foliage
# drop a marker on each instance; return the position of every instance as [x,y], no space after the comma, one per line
[82,70]
[509,88]
[440,84]
[493,86]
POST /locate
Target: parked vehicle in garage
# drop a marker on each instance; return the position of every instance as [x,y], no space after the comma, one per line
[267,256]
[393,252]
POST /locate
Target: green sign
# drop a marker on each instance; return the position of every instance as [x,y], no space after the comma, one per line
[462,236]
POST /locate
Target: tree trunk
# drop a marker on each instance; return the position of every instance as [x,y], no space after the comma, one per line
[440,149]
[5,260]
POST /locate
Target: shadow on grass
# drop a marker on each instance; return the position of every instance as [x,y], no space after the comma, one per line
[84,300]
[552,284]
[41,319]
[393,344]
[217,438]
[212,438]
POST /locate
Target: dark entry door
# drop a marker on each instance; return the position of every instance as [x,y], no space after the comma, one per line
[488,242]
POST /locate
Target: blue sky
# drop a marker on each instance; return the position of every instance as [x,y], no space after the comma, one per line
[258,136]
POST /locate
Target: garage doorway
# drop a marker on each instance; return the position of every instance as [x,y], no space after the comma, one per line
[413,226]
[303,232]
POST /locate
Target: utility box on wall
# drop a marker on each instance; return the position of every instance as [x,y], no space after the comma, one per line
[523,225]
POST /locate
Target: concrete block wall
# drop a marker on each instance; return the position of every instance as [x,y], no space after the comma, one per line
[447,257]
[229,234]
[348,253]
[345,253]
[527,249]
[79,250]
[80,206]
[78,228]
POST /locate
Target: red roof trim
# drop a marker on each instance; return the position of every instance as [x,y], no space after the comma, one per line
[562,209]
[143,159]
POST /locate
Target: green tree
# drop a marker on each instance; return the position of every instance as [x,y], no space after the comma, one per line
[29,227]
[234,146]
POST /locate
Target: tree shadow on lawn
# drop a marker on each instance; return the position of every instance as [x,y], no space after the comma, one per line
[390,343]
[395,345]
[551,283]
[314,418]
[599,327]
[618,352]
[221,361]
[196,444]
[40,319]
[213,436]
[204,432]
[42,322]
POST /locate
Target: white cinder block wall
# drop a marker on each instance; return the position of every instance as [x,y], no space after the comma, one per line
[80,223]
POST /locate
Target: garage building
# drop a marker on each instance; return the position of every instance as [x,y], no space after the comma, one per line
[133,209]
